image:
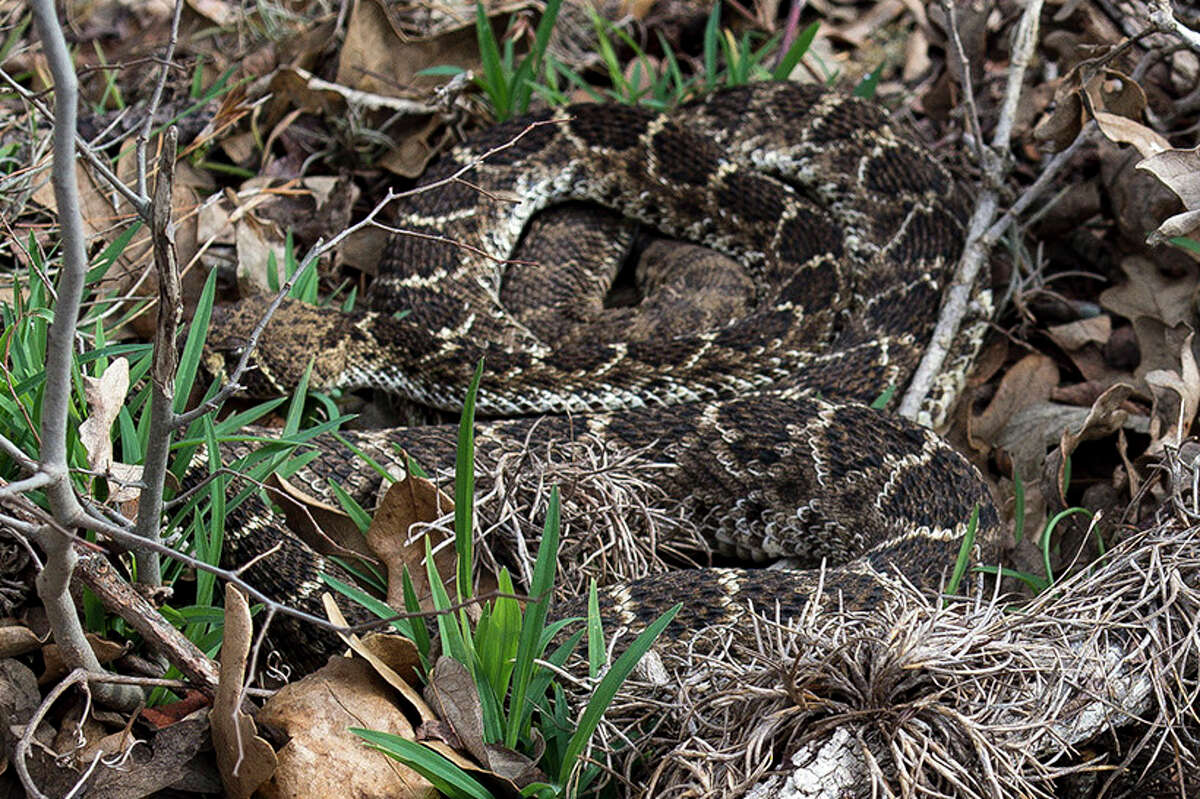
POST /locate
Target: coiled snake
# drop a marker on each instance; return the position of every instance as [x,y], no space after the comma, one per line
[844,229]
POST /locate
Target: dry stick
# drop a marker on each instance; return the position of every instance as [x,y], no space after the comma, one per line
[140,204]
[143,137]
[54,580]
[118,596]
[958,296]
[165,363]
[1164,19]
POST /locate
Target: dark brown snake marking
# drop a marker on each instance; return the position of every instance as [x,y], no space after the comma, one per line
[845,230]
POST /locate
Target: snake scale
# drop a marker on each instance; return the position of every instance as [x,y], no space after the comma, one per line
[845,231]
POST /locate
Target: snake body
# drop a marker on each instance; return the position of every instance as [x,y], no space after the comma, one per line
[844,229]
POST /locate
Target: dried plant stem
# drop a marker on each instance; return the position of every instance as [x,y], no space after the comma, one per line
[165,365]
[55,577]
[994,164]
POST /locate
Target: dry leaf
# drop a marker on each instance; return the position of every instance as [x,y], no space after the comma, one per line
[322,757]
[410,501]
[54,669]
[1028,382]
[1111,97]
[217,11]
[325,527]
[1170,419]
[1179,171]
[452,693]
[382,668]
[397,651]
[1032,431]
[1105,417]
[1123,130]
[245,760]
[17,640]
[1082,341]
[1155,303]
[105,396]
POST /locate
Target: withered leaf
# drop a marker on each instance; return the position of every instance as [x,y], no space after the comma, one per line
[245,760]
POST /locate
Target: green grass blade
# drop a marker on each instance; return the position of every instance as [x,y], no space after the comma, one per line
[607,689]
[449,632]
[417,630]
[464,489]
[446,777]
[595,632]
[1048,535]
[712,39]
[356,512]
[532,65]
[964,553]
[867,87]
[193,349]
[795,52]
[493,80]
[295,412]
[529,646]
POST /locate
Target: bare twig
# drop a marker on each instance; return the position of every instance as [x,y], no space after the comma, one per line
[54,579]
[994,164]
[143,137]
[1164,19]
[165,364]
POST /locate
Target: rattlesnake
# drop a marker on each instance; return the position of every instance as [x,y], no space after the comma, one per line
[845,229]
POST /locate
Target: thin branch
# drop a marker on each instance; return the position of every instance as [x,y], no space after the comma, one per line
[143,137]
[13,451]
[958,295]
[32,483]
[165,362]
[968,85]
[1164,19]
[54,579]
[141,205]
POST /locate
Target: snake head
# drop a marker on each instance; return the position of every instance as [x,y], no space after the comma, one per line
[298,334]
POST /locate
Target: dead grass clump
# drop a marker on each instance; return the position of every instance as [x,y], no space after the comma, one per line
[920,696]
[617,524]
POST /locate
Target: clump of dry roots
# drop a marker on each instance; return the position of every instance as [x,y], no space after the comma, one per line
[934,697]
[980,696]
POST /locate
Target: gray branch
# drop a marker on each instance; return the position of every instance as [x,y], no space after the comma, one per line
[54,580]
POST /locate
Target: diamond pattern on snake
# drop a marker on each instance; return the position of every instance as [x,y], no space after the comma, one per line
[754,408]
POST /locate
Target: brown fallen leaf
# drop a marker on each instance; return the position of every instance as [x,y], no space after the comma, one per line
[1029,381]
[1078,334]
[1105,417]
[322,757]
[1083,342]
[381,667]
[1171,417]
[245,760]
[411,501]
[54,669]
[105,397]
[1122,130]
[451,692]
[323,526]
[17,640]
[1147,291]
[1179,171]
[1109,96]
